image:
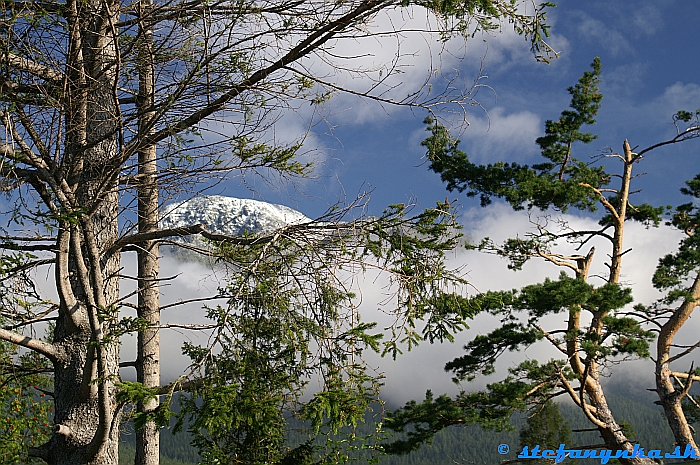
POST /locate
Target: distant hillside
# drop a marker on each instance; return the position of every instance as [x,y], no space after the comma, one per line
[475,446]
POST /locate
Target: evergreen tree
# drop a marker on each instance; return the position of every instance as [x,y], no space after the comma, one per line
[545,427]
[110,108]
[596,325]
[25,404]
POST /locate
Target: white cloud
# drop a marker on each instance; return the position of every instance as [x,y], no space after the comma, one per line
[678,96]
[489,272]
[182,281]
[499,135]
[395,64]
[421,369]
[648,121]
[623,80]
[646,20]
[605,35]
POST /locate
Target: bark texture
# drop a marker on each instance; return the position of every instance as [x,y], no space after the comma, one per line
[670,397]
[148,351]
[598,411]
[86,416]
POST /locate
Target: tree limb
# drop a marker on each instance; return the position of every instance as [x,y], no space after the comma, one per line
[684,353]
[46,349]
[177,386]
[680,375]
[303,48]
[155,235]
[676,321]
[688,133]
[32,67]
[686,389]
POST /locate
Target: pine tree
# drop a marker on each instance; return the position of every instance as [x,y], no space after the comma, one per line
[110,108]
[545,427]
[596,324]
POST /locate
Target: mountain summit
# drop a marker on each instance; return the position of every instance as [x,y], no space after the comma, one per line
[228,215]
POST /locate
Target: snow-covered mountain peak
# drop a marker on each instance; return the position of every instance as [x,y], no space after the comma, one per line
[230,215]
[223,215]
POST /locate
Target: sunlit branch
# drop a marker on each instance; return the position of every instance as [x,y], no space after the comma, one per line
[44,348]
[32,67]
[684,353]
[689,133]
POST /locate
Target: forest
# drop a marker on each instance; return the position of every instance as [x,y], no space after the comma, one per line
[131,307]
[473,444]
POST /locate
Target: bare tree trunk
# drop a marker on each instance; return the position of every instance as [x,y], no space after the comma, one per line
[669,397]
[610,430]
[598,411]
[86,417]
[148,357]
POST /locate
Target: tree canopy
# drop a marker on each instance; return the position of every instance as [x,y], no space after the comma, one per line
[111,108]
[593,326]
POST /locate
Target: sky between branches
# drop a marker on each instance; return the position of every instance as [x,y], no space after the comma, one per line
[650,71]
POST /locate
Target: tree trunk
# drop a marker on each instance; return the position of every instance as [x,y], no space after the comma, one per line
[602,417]
[148,355]
[87,365]
[611,432]
[669,397]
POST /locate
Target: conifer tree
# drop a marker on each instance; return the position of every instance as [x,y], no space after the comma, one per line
[597,325]
[109,109]
[545,427]
[25,408]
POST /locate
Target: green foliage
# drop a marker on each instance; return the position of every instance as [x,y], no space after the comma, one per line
[560,182]
[419,423]
[412,250]
[625,335]
[25,383]
[24,406]
[545,427]
[529,381]
[239,409]
[134,393]
[644,213]
[473,444]
[124,325]
[468,17]
[686,116]
[585,102]
[673,269]
[484,350]
[290,318]
[281,159]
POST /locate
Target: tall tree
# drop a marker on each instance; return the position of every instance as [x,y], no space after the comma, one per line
[148,311]
[597,326]
[677,274]
[545,427]
[106,104]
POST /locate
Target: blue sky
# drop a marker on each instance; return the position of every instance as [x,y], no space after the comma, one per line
[650,70]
